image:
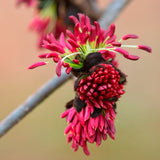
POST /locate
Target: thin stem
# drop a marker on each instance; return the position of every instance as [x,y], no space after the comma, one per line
[129,46]
[112,11]
[69,55]
[107,49]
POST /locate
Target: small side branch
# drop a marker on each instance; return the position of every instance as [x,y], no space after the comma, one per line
[112,11]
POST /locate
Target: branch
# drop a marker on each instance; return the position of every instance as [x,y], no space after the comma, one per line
[88,7]
[18,114]
[112,11]
[32,102]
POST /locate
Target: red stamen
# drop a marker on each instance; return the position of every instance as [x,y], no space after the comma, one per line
[128,36]
[145,48]
[126,54]
[117,44]
[112,30]
[76,61]
[68,70]
[52,55]
[58,68]
[37,65]
[43,55]
[73,43]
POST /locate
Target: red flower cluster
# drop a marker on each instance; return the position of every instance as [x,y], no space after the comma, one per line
[85,40]
[89,53]
[46,19]
[92,121]
[82,128]
[102,84]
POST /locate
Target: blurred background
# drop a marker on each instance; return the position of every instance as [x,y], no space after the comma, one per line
[41,134]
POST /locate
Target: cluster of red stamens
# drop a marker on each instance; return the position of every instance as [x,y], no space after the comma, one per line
[86,39]
[89,53]
[83,128]
[98,91]
[102,84]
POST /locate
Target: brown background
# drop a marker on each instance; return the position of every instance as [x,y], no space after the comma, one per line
[40,135]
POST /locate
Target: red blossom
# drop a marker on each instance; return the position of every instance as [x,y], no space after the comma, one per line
[91,114]
[86,39]
[39,24]
[93,129]
[95,120]
[100,86]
